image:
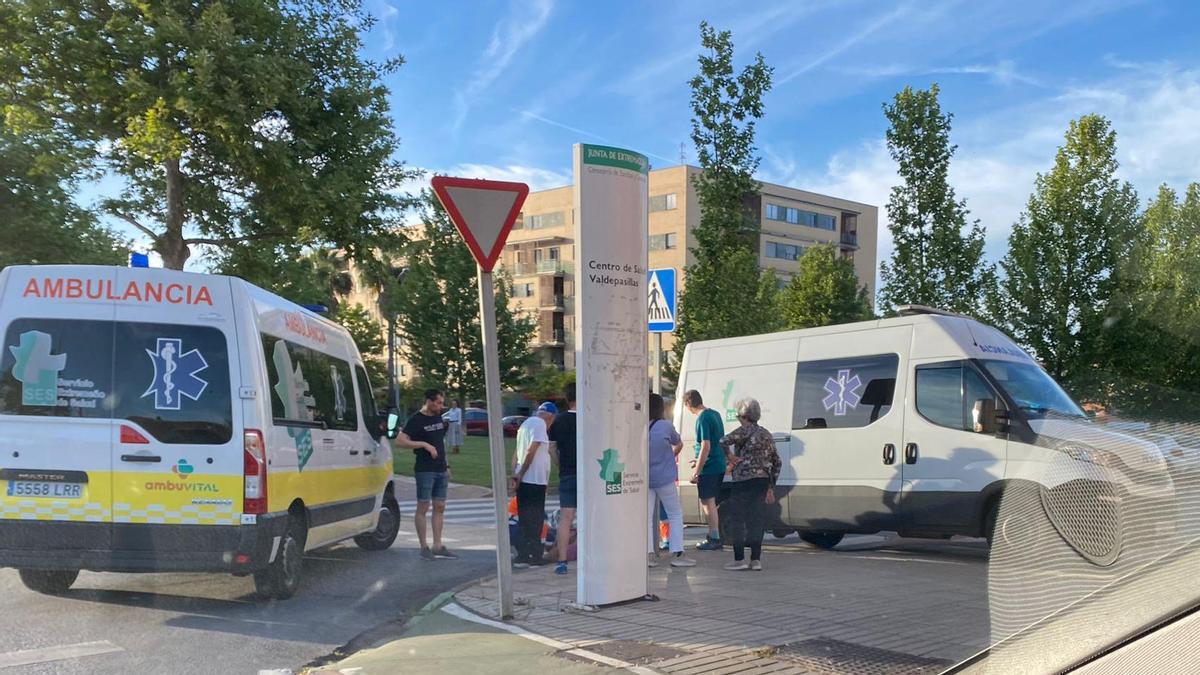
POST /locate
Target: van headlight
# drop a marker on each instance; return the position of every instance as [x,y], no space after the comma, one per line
[1083,452]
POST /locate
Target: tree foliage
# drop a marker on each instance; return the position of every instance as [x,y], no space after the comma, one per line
[304,276]
[368,337]
[725,293]
[548,384]
[937,258]
[824,292]
[39,221]
[1152,360]
[229,121]
[1064,262]
[437,308]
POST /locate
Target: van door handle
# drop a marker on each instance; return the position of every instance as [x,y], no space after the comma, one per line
[889,453]
[365,452]
[148,459]
[354,452]
[910,453]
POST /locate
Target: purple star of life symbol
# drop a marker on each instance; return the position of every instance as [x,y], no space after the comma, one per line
[842,392]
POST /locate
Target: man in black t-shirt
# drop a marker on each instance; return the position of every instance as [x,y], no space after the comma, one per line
[562,434]
[425,434]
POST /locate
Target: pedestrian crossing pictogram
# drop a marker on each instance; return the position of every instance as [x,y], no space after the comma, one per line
[660,301]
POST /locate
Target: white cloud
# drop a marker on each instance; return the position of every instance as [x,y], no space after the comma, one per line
[873,26]
[510,35]
[1003,72]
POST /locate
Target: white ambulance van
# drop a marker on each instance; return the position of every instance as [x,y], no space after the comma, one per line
[917,424]
[153,420]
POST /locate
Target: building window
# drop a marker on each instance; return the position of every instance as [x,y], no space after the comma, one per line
[784,251]
[788,214]
[663,242]
[662,202]
[523,290]
[545,220]
[403,370]
[553,252]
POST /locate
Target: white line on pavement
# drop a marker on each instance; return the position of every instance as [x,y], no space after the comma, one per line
[453,609]
[28,657]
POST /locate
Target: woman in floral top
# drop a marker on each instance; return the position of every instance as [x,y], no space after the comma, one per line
[751,453]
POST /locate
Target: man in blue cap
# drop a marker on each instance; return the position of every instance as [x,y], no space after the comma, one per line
[531,474]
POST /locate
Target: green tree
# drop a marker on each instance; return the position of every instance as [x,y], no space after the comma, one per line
[303,275]
[1153,354]
[437,306]
[1064,262]
[937,259]
[39,222]
[725,293]
[824,292]
[229,121]
[548,384]
[368,336]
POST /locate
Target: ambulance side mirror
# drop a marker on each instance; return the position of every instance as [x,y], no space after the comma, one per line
[393,424]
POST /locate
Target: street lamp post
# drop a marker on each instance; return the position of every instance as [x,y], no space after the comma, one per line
[398,274]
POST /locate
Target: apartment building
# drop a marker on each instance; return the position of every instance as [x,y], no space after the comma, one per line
[540,253]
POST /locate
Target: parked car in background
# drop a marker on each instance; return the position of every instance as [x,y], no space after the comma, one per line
[512,423]
[475,421]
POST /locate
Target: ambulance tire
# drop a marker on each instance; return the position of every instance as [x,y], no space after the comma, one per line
[280,579]
[50,582]
[822,538]
[384,534]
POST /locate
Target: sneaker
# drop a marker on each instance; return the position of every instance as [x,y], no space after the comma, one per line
[522,565]
[445,554]
[710,545]
[652,560]
[664,545]
[426,553]
[678,560]
[737,566]
[756,565]
[561,569]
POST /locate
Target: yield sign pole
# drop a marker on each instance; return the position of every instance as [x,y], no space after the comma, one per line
[484,211]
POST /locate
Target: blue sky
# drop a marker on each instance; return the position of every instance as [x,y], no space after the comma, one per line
[502,88]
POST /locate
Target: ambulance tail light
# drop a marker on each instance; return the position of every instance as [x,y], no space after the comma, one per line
[254,462]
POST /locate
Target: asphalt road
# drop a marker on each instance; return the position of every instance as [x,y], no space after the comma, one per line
[201,623]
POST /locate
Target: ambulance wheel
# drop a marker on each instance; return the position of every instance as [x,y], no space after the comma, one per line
[280,579]
[822,539]
[51,582]
[385,531]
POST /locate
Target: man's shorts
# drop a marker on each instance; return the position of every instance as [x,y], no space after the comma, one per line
[567,494]
[431,485]
[709,485]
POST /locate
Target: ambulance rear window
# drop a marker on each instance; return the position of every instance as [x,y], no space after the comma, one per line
[57,368]
[173,380]
[170,379]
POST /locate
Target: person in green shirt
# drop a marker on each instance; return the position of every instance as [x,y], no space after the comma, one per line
[709,463]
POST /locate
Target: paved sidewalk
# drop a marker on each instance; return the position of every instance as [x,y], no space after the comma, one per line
[880,608]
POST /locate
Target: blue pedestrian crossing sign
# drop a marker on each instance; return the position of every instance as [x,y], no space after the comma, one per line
[660,300]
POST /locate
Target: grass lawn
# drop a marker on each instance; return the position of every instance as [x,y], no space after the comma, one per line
[472,466]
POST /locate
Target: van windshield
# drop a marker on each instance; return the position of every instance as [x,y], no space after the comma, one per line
[1033,391]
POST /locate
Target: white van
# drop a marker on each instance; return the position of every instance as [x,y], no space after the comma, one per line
[153,420]
[917,424]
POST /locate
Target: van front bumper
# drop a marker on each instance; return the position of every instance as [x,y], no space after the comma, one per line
[139,547]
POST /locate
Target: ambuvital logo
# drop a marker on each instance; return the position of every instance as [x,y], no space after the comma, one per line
[183,469]
[611,469]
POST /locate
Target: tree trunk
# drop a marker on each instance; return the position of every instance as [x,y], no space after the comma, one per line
[170,244]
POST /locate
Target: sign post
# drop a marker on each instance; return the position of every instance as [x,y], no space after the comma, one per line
[611,206]
[484,211]
[660,314]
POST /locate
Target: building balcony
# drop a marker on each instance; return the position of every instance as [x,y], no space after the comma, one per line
[555,337]
[850,239]
[541,267]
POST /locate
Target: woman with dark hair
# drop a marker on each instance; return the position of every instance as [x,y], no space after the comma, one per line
[665,445]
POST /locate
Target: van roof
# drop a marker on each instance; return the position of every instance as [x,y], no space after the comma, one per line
[19,276]
[936,333]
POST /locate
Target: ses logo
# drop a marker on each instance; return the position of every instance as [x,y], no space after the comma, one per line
[611,470]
